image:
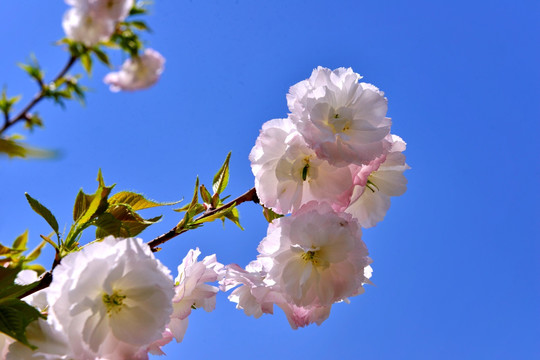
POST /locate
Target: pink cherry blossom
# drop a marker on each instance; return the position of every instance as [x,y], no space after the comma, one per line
[343,120]
[377,182]
[289,174]
[192,290]
[317,256]
[137,73]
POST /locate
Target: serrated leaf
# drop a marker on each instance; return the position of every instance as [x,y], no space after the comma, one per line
[136,201]
[98,201]
[221,179]
[44,212]
[15,315]
[121,221]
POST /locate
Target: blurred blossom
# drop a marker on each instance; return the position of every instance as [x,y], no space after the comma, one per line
[137,73]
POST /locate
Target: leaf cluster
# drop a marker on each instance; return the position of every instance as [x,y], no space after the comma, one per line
[212,206]
[115,215]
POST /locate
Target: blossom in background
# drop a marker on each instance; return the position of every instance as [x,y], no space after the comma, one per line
[92,21]
[289,174]
[112,299]
[343,120]
[192,290]
[137,72]
[377,182]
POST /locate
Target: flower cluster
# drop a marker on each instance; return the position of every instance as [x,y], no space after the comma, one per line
[114,300]
[137,73]
[92,21]
[333,165]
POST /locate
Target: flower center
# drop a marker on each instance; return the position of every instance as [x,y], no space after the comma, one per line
[340,124]
[114,302]
[314,256]
[371,185]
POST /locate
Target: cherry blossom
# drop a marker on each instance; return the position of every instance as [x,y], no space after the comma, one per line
[112,299]
[343,120]
[377,182]
[318,256]
[289,174]
[137,72]
[192,290]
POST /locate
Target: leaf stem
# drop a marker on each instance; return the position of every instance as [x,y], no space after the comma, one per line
[23,114]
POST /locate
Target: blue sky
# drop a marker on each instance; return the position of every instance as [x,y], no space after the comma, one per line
[455,261]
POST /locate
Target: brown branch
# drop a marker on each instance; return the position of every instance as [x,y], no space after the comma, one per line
[23,114]
[250,195]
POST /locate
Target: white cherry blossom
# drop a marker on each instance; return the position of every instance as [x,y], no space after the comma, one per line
[112,299]
[137,73]
[343,120]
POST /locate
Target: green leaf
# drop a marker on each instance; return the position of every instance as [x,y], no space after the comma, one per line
[14,148]
[221,179]
[20,241]
[102,56]
[270,215]
[205,194]
[234,216]
[121,221]
[8,288]
[34,254]
[140,25]
[15,315]
[136,201]
[97,203]
[136,10]
[44,212]
[86,61]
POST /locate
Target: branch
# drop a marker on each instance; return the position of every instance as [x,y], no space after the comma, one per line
[38,97]
[250,195]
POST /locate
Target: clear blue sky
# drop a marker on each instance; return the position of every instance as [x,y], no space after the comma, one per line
[456,262]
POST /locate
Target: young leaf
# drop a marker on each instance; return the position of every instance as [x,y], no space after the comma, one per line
[234,216]
[205,194]
[44,212]
[97,203]
[20,242]
[121,221]
[102,56]
[221,179]
[270,215]
[14,148]
[136,201]
[86,61]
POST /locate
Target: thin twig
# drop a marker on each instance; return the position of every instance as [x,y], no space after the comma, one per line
[249,195]
[38,97]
